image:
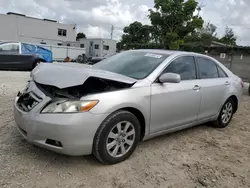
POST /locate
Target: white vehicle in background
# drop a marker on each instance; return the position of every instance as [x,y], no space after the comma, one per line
[60,53]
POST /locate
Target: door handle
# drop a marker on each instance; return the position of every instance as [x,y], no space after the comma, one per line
[196,87]
[227,83]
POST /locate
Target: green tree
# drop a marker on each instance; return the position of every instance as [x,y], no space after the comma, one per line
[209,29]
[229,37]
[198,39]
[136,33]
[80,36]
[208,34]
[173,20]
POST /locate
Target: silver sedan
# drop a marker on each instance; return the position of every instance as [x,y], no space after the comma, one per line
[106,109]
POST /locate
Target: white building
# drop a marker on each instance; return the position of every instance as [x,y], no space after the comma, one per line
[98,47]
[21,28]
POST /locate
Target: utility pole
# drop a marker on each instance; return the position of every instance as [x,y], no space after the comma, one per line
[111,33]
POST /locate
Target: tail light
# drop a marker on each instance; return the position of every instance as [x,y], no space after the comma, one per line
[242,83]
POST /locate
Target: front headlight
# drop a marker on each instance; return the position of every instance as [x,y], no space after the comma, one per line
[69,106]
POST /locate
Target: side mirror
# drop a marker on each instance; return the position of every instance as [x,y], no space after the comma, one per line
[170,78]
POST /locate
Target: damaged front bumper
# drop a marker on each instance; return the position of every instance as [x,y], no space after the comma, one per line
[70,134]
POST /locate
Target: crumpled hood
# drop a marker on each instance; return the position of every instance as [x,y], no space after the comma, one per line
[63,75]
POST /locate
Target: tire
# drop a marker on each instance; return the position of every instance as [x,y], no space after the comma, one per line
[249,89]
[107,136]
[226,110]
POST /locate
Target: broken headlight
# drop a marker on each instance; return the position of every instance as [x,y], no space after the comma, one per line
[69,106]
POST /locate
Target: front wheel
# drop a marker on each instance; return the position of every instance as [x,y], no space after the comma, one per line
[226,114]
[117,138]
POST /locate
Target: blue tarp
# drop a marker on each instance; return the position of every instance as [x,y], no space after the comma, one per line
[43,53]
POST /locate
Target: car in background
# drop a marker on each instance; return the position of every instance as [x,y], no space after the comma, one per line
[22,56]
[95,60]
[106,109]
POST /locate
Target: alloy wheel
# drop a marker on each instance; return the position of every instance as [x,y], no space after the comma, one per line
[120,139]
[227,112]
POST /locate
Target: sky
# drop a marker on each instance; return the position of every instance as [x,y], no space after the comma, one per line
[95,17]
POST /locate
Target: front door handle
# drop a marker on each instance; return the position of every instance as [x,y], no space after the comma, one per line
[196,87]
[227,83]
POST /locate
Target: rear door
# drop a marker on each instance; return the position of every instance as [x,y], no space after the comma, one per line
[214,84]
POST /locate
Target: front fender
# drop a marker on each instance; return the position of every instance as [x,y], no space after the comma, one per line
[109,102]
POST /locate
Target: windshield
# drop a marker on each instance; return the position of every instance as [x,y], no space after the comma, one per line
[134,64]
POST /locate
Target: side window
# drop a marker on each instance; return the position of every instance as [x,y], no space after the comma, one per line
[6,47]
[184,66]
[15,48]
[207,68]
[9,48]
[222,74]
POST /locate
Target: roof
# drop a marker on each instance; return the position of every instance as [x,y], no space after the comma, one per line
[219,44]
[170,52]
[166,52]
[23,15]
[9,41]
[81,39]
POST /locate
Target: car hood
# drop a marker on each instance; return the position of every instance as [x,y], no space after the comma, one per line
[63,75]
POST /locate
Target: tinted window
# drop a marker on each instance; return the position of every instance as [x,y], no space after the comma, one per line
[207,68]
[184,66]
[222,74]
[135,64]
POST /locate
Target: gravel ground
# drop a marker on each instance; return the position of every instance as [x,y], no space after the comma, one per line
[198,157]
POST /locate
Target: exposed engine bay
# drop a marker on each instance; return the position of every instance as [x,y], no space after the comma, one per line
[90,86]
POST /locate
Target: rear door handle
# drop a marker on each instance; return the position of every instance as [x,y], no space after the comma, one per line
[227,83]
[196,87]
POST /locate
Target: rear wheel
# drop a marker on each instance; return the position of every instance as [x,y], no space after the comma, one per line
[226,114]
[117,138]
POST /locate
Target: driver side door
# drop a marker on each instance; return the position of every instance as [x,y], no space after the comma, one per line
[176,104]
[9,56]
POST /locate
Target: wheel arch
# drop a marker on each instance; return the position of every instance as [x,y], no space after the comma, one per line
[139,115]
[235,100]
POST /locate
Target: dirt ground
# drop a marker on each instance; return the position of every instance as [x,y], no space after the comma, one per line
[198,157]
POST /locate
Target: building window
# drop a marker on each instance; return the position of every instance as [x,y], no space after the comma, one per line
[82,45]
[105,47]
[62,32]
[59,44]
[68,44]
[96,46]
